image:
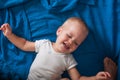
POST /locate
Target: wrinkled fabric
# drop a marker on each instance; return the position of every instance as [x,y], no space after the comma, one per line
[39,19]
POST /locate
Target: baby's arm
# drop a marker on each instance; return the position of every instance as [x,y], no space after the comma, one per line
[74,74]
[17,41]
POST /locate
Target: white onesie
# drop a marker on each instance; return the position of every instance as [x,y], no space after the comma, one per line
[49,64]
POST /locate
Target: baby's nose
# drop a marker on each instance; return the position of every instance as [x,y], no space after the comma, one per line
[70,41]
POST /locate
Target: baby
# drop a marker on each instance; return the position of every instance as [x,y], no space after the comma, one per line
[53,58]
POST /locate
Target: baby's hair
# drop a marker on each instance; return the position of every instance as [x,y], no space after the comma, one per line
[77,20]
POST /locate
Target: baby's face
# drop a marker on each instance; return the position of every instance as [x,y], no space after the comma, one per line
[69,38]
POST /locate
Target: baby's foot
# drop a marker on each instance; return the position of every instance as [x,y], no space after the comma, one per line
[110,67]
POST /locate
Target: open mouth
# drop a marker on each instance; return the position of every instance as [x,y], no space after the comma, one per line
[66,46]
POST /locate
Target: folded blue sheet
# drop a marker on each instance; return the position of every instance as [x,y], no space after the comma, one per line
[39,19]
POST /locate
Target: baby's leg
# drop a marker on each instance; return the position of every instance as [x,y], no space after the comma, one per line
[110,67]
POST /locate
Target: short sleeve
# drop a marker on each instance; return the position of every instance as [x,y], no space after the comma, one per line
[38,44]
[71,62]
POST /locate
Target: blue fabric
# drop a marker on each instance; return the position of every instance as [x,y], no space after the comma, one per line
[39,19]
[11,3]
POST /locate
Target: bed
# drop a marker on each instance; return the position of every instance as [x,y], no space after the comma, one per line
[39,19]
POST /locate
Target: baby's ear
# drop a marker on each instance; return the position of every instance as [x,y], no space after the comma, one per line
[59,30]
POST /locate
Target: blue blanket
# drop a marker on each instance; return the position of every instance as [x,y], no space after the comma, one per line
[39,19]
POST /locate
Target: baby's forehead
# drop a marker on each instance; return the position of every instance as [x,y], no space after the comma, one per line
[75,23]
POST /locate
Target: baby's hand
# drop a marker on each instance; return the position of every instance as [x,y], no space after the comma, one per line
[6,29]
[103,76]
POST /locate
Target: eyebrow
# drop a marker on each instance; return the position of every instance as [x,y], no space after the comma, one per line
[68,34]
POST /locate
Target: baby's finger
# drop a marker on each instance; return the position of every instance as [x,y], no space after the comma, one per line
[5,26]
[2,27]
[108,74]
